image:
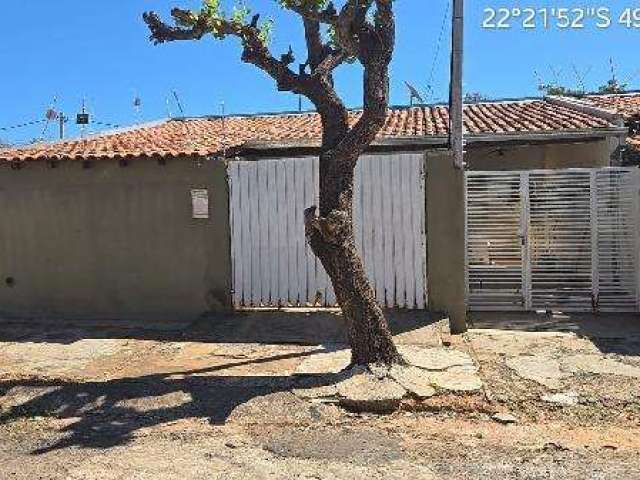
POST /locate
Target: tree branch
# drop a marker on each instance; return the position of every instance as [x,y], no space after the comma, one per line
[315,47]
[328,15]
[161,32]
[330,62]
[195,26]
[376,45]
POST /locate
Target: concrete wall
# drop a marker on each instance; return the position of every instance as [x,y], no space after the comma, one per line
[112,241]
[585,154]
[446,239]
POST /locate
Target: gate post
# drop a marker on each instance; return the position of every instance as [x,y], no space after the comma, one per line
[525,241]
[595,260]
[446,236]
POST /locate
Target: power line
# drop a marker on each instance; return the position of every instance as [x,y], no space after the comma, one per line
[22,125]
[438,48]
[105,124]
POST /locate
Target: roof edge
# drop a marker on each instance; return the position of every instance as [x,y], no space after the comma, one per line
[442,140]
[588,108]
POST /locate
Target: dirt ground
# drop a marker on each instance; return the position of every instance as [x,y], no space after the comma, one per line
[220,399]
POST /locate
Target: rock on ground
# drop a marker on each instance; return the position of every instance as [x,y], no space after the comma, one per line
[370,393]
[415,380]
[543,370]
[457,381]
[599,365]
[435,359]
[566,399]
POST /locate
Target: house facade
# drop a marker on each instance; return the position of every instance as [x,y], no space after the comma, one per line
[139,223]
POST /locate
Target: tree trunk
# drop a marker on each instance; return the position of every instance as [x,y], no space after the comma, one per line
[332,240]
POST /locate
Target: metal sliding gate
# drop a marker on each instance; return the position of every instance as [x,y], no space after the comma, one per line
[272,263]
[554,239]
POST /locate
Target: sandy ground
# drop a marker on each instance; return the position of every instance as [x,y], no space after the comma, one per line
[123,402]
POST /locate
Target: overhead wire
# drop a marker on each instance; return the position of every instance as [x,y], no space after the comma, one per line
[106,124]
[22,125]
[438,48]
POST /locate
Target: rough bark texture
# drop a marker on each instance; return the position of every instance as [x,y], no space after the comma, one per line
[329,229]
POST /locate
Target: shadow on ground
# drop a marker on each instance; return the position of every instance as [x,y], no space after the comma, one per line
[299,327]
[610,333]
[107,414]
[104,414]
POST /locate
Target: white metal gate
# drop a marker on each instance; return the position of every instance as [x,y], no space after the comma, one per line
[272,263]
[554,239]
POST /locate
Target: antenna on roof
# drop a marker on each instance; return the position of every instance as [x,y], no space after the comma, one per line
[175,95]
[168,105]
[83,118]
[613,85]
[612,66]
[556,73]
[50,115]
[539,79]
[580,77]
[137,105]
[414,94]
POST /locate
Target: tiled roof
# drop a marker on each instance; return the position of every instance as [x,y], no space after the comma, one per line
[627,104]
[209,136]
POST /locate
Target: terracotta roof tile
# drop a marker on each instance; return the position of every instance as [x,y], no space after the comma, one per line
[627,104]
[210,136]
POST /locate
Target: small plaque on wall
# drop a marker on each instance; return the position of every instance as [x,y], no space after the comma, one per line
[200,203]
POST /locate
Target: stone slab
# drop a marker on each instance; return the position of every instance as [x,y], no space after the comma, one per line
[599,365]
[365,392]
[456,381]
[415,380]
[435,359]
[541,369]
[325,362]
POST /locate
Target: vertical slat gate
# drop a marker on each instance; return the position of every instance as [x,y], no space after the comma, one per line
[494,247]
[560,240]
[617,220]
[577,233]
[271,261]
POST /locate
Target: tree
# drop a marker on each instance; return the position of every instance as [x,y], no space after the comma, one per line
[362,31]
[613,86]
[552,89]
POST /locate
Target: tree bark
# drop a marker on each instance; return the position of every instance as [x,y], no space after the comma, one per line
[332,240]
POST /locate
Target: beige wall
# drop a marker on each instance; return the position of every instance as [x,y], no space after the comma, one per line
[585,154]
[446,239]
[112,241]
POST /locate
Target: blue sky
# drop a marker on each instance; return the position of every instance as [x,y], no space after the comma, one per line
[99,50]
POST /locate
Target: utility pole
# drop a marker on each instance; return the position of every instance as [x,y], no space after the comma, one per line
[61,119]
[456,132]
[456,306]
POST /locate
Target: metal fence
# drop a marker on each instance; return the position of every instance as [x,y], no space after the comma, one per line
[553,239]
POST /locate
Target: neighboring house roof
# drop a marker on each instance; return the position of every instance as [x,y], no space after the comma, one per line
[633,155]
[212,135]
[626,104]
